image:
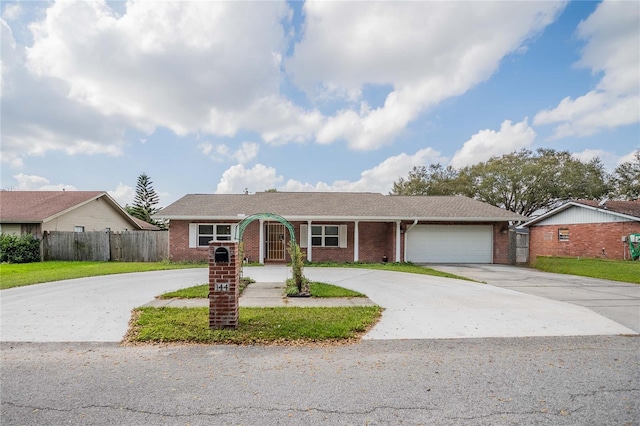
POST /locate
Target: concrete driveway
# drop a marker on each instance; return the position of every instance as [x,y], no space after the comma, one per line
[416,306]
[615,300]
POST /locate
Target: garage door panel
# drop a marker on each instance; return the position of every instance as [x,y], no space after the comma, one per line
[450,244]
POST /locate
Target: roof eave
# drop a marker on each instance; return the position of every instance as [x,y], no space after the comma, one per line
[351,218]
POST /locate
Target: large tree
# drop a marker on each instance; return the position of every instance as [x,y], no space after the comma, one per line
[626,179]
[523,182]
[432,180]
[145,201]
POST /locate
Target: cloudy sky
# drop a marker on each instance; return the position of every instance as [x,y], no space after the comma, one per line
[216,97]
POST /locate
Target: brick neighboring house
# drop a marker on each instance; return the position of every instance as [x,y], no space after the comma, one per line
[344,227]
[584,228]
[35,212]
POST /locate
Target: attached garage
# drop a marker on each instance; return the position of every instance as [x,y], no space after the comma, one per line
[450,244]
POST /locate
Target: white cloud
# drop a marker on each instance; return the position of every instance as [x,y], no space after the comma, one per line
[426,51]
[123,194]
[256,179]
[186,66]
[630,157]
[609,159]
[488,143]
[38,183]
[11,12]
[37,115]
[216,68]
[247,152]
[612,49]
[378,179]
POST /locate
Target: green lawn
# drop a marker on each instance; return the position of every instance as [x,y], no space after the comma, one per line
[16,275]
[255,325]
[616,270]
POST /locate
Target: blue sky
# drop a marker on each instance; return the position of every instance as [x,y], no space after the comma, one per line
[216,97]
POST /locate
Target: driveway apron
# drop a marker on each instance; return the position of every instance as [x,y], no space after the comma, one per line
[616,300]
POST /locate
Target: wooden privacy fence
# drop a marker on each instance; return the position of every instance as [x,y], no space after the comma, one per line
[127,246]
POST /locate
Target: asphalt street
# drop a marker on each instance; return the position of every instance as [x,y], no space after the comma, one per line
[591,380]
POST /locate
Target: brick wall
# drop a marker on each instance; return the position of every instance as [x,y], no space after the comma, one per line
[502,245]
[585,240]
[377,239]
[179,250]
[224,280]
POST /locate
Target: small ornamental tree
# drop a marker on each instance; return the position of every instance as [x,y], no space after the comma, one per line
[297,264]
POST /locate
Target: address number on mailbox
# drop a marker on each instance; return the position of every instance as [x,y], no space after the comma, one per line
[221,287]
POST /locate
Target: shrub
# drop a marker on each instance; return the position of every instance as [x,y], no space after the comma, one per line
[19,249]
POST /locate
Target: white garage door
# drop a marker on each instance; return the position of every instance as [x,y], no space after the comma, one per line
[450,244]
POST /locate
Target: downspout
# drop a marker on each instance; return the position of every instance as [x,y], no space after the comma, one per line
[415,222]
[262,243]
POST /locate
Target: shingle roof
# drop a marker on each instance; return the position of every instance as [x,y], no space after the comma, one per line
[334,205]
[40,206]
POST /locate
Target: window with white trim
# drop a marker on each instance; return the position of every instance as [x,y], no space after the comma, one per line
[325,236]
[78,229]
[213,231]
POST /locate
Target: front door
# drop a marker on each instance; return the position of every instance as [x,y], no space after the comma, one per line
[275,241]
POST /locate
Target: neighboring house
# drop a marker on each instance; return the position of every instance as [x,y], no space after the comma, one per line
[344,227]
[35,212]
[585,229]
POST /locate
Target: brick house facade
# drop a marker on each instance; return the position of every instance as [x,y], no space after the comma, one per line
[360,227]
[585,229]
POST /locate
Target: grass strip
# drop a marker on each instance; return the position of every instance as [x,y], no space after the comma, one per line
[320,289]
[255,325]
[200,291]
[615,270]
[21,274]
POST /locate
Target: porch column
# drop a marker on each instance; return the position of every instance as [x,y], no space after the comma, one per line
[309,256]
[356,239]
[261,247]
[398,241]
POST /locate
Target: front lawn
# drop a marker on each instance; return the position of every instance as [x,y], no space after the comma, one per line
[21,274]
[616,270]
[287,325]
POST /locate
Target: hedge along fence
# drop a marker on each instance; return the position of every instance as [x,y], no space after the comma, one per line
[19,249]
[127,246]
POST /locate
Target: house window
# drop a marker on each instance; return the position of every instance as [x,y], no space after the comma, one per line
[78,229]
[325,236]
[563,234]
[215,232]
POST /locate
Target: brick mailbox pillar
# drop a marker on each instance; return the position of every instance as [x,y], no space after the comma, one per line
[224,279]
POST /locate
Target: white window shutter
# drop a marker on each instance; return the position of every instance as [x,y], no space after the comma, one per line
[193,235]
[342,233]
[303,236]
[234,229]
